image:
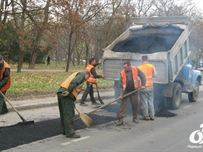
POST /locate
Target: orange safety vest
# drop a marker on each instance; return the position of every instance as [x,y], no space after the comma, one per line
[91,79]
[135,77]
[8,83]
[67,82]
[148,70]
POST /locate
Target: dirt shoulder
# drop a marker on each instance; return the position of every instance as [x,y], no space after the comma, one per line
[30,95]
[40,95]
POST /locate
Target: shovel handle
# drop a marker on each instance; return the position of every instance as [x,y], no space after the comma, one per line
[109,103]
[13,107]
[113,101]
[8,102]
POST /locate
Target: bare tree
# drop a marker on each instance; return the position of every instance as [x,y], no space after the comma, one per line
[110,23]
[144,7]
[188,8]
[196,38]
[171,8]
[39,17]
[4,4]
[79,50]
[164,7]
[4,42]
[19,18]
[74,15]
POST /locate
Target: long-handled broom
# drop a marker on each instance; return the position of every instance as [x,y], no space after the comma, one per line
[86,119]
[21,117]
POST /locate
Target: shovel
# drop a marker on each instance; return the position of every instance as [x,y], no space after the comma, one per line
[86,117]
[21,117]
[100,100]
[113,101]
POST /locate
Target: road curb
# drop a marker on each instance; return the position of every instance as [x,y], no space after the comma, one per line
[28,106]
[33,106]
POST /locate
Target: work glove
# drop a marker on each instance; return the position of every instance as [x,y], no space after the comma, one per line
[65,93]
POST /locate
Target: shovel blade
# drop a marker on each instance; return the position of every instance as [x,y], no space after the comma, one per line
[100,100]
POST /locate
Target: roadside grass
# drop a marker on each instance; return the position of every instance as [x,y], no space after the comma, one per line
[45,78]
[60,65]
[39,80]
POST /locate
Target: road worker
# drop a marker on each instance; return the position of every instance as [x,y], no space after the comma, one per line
[5,82]
[92,80]
[128,83]
[67,94]
[146,94]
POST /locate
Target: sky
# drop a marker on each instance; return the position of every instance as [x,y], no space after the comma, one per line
[199,3]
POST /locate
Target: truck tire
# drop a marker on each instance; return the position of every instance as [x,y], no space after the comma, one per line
[192,96]
[175,101]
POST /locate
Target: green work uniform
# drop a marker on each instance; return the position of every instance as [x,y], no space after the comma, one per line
[3,107]
[66,105]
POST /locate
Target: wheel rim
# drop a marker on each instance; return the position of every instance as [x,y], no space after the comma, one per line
[196,91]
[178,98]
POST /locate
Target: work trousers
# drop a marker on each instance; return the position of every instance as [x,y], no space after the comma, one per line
[134,102]
[3,107]
[89,90]
[66,109]
[146,103]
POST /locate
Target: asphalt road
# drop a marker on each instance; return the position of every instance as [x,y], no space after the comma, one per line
[165,134]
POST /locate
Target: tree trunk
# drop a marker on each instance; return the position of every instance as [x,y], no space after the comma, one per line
[69,51]
[20,60]
[56,54]
[73,62]
[198,57]
[33,58]
[86,53]
[68,62]
[35,51]
[40,31]
[78,60]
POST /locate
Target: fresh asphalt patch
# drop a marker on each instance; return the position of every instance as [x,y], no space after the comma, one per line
[19,134]
[165,113]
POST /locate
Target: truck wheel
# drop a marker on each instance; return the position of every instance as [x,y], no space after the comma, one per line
[174,101]
[192,96]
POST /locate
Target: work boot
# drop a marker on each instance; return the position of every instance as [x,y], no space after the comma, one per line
[120,122]
[95,103]
[152,118]
[73,136]
[83,104]
[135,120]
[146,118]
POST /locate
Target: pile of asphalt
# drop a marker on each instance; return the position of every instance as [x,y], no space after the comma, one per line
[165,113]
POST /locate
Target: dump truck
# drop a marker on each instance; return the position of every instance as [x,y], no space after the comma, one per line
[165,40]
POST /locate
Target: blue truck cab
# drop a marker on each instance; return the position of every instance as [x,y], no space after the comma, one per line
[190,81]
